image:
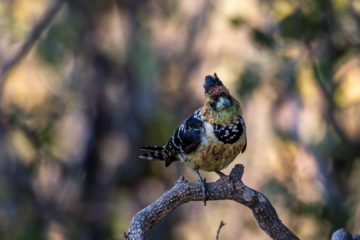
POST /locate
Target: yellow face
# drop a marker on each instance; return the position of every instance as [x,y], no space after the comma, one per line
[221,108]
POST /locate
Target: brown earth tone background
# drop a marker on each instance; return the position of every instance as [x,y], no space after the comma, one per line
[106,77]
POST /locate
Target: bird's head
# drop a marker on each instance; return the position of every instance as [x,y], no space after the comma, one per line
[220,106]
[216,93]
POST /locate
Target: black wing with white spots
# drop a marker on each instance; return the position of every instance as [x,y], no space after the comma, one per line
[229,133]
[185,139]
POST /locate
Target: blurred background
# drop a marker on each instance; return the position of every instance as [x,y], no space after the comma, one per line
[109,76]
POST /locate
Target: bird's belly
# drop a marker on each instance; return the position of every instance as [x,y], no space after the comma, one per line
[213,156]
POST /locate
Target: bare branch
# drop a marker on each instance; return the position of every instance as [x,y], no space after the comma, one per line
[30,40]
[226,188]
[328,95]
[218,231]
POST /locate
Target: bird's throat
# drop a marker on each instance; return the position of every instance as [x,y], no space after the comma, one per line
[225,116]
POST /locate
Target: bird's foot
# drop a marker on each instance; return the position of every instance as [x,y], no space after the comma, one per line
[203,185]
[204,190]
[221,174]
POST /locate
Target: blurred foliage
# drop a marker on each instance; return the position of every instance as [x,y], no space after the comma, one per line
[249,81]
[298,25]
[61,36]
[110,76]
[263,39]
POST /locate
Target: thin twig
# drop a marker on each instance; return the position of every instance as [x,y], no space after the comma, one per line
[228,187]
[218,231]
[30,40]
[328,95]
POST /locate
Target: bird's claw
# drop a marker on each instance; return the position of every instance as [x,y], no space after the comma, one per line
[221,174]
[204,190]
[203,185]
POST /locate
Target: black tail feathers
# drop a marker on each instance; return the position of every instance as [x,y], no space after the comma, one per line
[155,155]
[155,152]
[153,148]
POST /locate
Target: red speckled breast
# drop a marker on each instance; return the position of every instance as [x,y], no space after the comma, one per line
[214,156]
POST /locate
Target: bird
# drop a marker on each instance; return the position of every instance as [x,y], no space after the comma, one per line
[210,138]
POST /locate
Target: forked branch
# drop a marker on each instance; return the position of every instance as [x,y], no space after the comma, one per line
[226,188]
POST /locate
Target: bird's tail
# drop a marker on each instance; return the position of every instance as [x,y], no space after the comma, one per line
[154,153]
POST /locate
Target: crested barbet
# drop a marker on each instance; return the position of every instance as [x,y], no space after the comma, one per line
[211,138]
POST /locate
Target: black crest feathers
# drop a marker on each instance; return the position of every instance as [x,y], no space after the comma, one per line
[211,82]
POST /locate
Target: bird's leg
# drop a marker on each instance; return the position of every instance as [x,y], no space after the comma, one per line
[203,183]
[221,174]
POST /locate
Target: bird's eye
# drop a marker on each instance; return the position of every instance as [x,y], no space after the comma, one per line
[213,105]
[215,98]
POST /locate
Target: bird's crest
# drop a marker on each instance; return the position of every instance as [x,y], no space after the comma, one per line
[214,87]
[219,106]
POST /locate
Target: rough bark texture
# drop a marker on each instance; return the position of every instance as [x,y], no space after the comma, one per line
[226,188]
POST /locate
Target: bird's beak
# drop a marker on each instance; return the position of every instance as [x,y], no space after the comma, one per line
[226,102]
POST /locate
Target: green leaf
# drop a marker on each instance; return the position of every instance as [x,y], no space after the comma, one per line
[248,80]
[263,39]
[298,26]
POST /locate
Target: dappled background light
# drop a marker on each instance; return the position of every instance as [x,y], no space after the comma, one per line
[107,77]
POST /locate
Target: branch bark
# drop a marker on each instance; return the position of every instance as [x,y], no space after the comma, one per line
[226,188]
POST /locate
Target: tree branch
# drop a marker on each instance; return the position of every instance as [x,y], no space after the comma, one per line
[31,39]
[222,224]
[222,189]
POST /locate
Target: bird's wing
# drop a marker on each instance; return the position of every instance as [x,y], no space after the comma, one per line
[190,134]
[230,133]
[186,138]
